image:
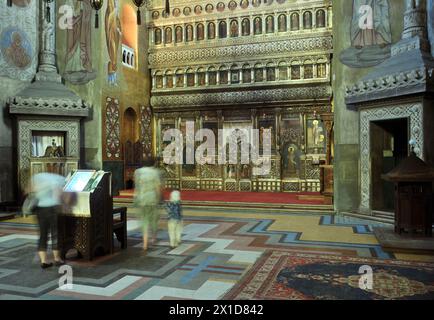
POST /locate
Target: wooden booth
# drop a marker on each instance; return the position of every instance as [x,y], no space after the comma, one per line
[87,226]
[413,180]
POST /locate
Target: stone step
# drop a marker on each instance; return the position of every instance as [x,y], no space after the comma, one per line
[7,216]
[383,213]
[386,220]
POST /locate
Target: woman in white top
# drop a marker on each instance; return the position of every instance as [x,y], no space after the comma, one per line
[47,189]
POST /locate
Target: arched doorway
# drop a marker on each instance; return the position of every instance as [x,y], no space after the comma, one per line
[132,148]
[130,126]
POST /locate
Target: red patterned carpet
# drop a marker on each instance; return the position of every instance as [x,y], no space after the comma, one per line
[243,197]
[281,275]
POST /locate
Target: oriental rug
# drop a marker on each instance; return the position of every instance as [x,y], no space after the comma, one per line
[299,276]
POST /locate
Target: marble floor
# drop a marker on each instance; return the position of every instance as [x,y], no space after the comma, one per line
[218,248]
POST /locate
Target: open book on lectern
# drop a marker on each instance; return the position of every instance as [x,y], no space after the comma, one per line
[83,183]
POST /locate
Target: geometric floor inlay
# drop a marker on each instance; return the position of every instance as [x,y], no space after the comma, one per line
[218,249]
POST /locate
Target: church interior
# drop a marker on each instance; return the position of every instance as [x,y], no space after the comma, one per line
[340,95]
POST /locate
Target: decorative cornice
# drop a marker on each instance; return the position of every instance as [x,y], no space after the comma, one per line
[242,97]
[52,106]
[176,56]
[416,80]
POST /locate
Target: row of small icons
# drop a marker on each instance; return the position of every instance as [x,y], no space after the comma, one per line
[66,17]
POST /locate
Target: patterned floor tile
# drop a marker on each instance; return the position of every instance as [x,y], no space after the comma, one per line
[218,248]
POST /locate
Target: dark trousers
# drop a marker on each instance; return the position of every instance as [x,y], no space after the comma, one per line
[47,220]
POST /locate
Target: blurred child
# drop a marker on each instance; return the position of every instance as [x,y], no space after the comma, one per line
[174,210]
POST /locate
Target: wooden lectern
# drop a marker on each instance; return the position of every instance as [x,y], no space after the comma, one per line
[87,226]
[413,180]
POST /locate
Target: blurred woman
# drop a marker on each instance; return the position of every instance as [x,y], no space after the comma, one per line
[147,196]
[47,189]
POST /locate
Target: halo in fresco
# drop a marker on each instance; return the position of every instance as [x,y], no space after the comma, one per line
[187,11]
[209,8]
[198,9]
[232,5]
[256,3]
[155,15]
[16,48]
[244,4]
[176,12]
[220,6]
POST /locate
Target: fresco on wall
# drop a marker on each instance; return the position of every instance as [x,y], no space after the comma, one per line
[209,8]
[370,45]
[16,48]
[290,149]
[19,40]
[200,31]
[295,21]
[316,142]
[78,60]
[430,4]
[21,3]
[188,170]
[267,124]
[113,36]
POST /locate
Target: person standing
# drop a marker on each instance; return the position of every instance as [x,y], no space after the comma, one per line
[174,224]
[147,196]
[47,189]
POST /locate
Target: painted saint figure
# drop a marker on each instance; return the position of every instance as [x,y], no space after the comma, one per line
[258,25]
[222,29]
[322,70]
[307,20]
[201,78]
[178,36]
[320,18]
[282,23]
[78,59]
[234,28]
[295,21]
[113,36]
[16,53]
[189,33]
[168,35]
[295,73]
[271,74]
[200,31]
[245,27]
[157,36]
[270,24]
[247,75]
[291,162]
[211,30]
[212,78]
[370,34]
[379,33]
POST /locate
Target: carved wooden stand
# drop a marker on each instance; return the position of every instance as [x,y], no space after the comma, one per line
[92,235]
